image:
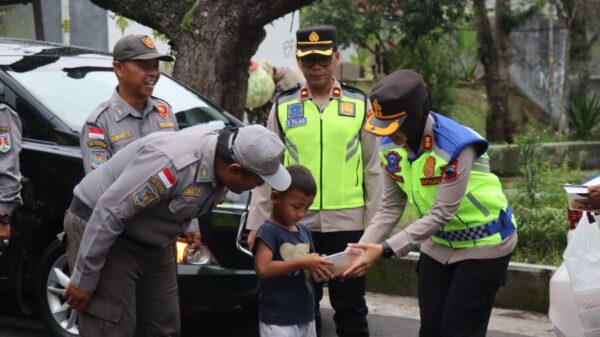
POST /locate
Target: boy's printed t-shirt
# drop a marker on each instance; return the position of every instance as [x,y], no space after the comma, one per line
[288,299]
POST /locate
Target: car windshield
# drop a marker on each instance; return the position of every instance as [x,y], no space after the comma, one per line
[72,87]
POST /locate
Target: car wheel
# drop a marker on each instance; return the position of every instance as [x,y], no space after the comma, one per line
[53,279]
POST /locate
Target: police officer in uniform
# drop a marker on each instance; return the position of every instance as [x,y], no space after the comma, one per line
[321,124]
[131,112]
[126,214]
[10,176]
[465,228]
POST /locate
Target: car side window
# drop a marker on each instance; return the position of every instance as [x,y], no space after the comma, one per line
[33,126]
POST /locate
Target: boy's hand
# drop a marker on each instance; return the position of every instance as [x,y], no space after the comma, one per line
[317,266]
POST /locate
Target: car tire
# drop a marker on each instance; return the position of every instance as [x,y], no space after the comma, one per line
[53,277]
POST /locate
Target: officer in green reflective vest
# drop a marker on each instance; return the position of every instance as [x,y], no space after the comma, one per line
[322,126]
[466,229]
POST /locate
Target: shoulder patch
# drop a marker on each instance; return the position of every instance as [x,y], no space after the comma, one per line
[97,143]
[98,157]
[144,196]
[4,142]
[93,117]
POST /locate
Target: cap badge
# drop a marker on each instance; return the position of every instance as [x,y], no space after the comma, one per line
[314,37]
[148,42]
[377,108]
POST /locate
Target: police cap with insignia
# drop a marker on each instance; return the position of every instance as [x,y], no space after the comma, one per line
[397,95]
[137,47]
[320,40]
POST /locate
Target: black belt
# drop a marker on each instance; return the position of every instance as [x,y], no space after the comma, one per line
[80,209]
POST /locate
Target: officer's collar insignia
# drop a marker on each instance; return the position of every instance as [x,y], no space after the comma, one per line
[148,42]
[4,142]
[144,196]
[119,110]
[450,171]
[393,162]
[314,37]
[336,92]
[98,157]
[162,110]
[304,93]
[427,143]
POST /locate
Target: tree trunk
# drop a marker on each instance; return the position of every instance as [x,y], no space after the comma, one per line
[493,48]
[580,48]
[213,40]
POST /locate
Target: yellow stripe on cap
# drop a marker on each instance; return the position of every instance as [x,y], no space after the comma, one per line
[300,53]
[306,43]
[391,128]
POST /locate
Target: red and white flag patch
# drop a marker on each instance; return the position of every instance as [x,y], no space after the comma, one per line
[167,177]
[96,133]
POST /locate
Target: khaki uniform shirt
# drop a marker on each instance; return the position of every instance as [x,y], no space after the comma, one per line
[349,219]
[114,124]
[10,147]
[448,197]
[148,192]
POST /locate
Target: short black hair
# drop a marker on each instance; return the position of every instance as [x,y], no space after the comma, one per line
[222,151]
[302,180]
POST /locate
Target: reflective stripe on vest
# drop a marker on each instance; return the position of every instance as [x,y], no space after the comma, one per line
[482,217]
[328,144]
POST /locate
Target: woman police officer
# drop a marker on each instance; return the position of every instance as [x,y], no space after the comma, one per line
[466,228]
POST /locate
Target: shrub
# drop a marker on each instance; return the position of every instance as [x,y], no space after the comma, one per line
[584,116]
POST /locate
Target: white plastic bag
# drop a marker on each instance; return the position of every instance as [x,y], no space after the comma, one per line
[582,258]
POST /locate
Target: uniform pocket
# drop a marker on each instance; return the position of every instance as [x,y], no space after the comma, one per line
[105,309]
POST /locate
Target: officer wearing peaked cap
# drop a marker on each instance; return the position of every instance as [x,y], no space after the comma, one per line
[322,124]
[126,215]
[466,229]
[131,112]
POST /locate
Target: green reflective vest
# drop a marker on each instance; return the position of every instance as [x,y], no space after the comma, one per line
[327,143]
[483,202]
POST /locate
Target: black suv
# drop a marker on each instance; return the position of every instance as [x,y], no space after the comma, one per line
[53,88]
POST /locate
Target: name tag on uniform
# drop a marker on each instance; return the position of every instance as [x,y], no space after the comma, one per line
[295,122]
[192,191]
[166,125]
[122,135]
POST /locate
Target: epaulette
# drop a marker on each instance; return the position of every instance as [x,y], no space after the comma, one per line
[93,117]
[289,91]
[352,89]
[161,101]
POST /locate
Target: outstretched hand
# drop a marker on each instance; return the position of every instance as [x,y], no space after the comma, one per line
[371,254]
[318,266]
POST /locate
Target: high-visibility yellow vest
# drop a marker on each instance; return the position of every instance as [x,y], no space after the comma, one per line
[327,143]
[483,216]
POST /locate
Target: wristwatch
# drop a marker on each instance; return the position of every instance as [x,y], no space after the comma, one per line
[388,252]
[4,218]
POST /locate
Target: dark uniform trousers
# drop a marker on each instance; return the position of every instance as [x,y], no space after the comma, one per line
[456,299]
[348,297]
[137,293]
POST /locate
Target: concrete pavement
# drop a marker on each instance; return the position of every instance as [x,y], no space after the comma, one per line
[504,322]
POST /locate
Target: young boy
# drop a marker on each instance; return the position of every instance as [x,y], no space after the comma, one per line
[284,258]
